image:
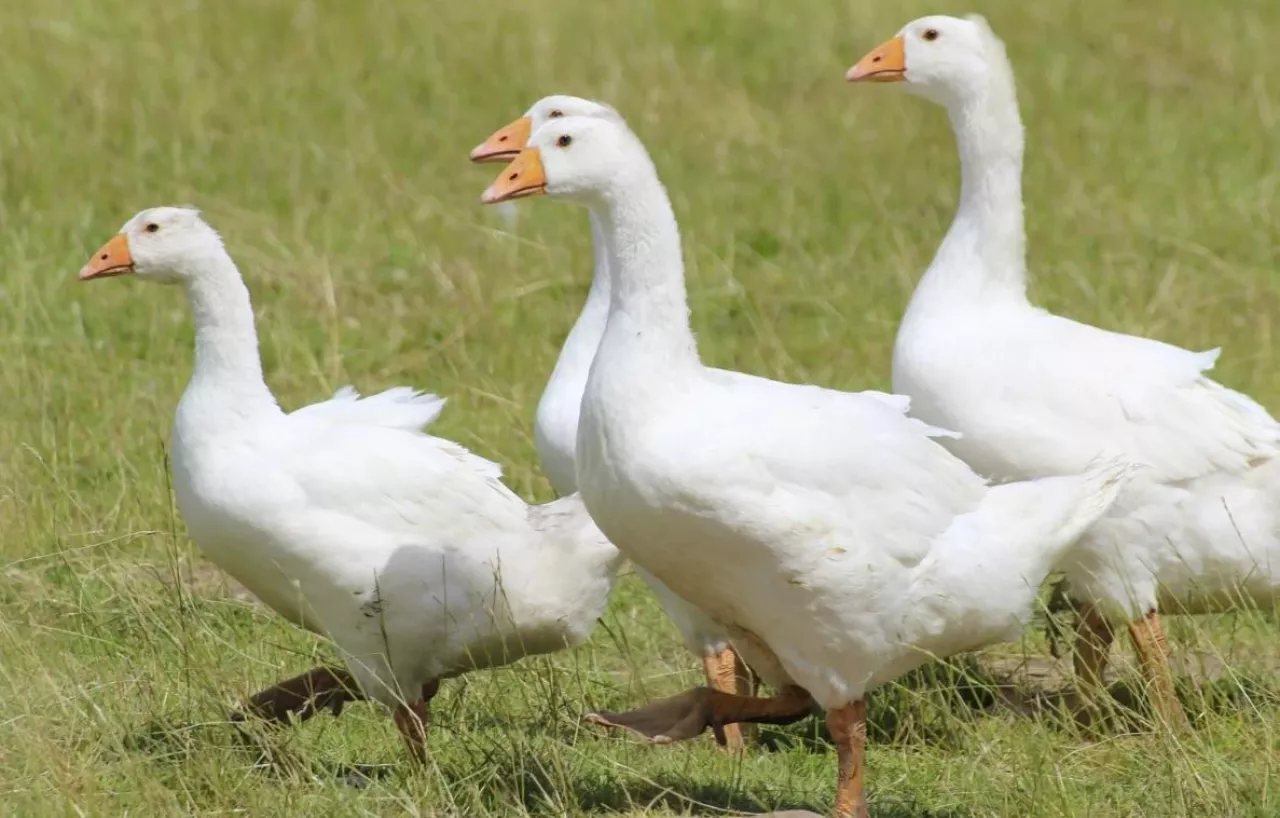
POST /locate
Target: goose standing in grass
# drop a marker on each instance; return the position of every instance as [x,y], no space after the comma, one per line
[555,427]
[847,546]
[1034,394]
[349,520]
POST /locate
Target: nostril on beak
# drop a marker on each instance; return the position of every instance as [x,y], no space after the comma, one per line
[502,139]
[510,178]
[876,59]
[104,256]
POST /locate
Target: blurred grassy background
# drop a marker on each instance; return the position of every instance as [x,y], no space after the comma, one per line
[328,140]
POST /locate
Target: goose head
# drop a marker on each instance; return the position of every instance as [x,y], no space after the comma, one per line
[944,59]
[504,143]
[581,158]
[162,244]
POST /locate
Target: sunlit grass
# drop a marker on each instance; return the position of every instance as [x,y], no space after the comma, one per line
[328,140]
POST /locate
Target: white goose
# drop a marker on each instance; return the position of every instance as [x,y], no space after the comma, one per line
[347,519]
[1034,394]
[848,547]
[556,422]
[555,427]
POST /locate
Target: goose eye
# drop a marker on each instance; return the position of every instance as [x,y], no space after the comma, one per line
[565,141]
[931,34]
[557,113]
[152,227]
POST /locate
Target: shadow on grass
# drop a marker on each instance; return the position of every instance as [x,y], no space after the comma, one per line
[521,759]
[261,746]
[1042,688]
[527,781]
[936,704]
[676,792]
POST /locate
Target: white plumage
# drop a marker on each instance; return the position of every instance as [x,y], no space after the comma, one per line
[848,546]
[555,425]
[1035,394]
[346,517]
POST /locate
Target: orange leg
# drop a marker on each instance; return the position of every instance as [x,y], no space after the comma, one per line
[1092,651]
[1153,651]
[688,714]
[411,720]
[848,726]
[727,673]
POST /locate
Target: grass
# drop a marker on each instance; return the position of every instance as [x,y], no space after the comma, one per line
[327,140]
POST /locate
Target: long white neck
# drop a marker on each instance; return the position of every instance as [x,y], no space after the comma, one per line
[556,421]
[598,297]
[648,305]
[226,384]
[584,339]
[983,256]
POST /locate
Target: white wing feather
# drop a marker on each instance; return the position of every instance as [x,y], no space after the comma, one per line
[849,462]
[1067,392]
[401,407]
[370,459]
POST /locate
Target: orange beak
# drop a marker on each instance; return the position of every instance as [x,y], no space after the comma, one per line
[113,259]
[523,177]
[505,142]
[887,62]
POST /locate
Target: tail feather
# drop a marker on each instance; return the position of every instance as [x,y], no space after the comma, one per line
[1096,491]
[980,580]
[567,521]
[401,407]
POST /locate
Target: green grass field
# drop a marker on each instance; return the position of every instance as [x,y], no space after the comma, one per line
[327,140]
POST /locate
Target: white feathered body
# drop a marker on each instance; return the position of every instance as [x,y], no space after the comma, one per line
[1034,394]
[1037,395]
[403,548]
[556,432]
[848,545]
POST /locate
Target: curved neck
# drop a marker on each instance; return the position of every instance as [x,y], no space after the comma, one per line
[228,370]
[598,296]
[984,253]
[584,339]
[648,305]
[555,423]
